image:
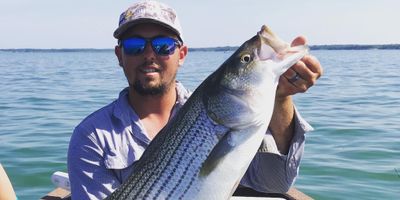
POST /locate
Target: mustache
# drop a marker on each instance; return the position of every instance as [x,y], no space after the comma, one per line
[149,63]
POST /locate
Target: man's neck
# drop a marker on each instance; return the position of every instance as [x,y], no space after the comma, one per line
[154,111]
[145,105]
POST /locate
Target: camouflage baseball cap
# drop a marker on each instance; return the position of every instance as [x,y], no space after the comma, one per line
[149,12]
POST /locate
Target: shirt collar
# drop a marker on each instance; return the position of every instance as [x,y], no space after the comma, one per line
[122,109]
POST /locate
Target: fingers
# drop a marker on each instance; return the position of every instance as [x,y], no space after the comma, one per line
[310,61]
[313,64]
[301,40]
[286,88]
[300,77]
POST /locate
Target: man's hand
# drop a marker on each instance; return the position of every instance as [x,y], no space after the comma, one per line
[297,79]
[301,75]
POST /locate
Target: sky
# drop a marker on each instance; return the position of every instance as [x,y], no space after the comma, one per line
[205,23]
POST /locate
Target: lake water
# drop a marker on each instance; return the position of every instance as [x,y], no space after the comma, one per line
[354,152]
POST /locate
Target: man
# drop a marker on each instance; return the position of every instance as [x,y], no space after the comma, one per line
[150,49]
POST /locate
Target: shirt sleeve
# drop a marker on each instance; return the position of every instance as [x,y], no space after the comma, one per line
[88,176]
[272,172]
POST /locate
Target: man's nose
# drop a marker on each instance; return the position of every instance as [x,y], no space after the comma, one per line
[148,50]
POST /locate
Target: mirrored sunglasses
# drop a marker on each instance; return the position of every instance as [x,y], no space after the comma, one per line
[161,45]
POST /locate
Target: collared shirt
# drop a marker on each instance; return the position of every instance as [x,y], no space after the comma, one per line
[105,145]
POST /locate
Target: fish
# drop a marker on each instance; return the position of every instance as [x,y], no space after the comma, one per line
[205,150]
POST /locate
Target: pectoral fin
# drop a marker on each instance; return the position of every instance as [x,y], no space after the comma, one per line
[223,147]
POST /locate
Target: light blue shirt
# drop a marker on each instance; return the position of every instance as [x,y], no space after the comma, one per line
[105,145]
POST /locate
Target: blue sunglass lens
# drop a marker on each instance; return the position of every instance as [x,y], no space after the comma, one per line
[134,46]
[164,45]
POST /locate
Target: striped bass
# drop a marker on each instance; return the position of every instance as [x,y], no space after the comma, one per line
[206,149]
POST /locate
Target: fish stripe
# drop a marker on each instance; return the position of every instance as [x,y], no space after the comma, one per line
[183,156]
[166,153]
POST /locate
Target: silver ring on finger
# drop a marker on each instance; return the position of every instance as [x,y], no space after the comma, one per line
[294,78]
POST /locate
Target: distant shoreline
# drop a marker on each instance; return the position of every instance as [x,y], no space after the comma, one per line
[226,48]
[319,47]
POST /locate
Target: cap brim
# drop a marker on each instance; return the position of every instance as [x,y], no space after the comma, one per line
[118,33]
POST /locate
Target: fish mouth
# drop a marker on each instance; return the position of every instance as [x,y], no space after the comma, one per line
[274,49]
[271,39]
[271,47]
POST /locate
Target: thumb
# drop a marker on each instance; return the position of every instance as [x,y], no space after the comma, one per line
[301,40]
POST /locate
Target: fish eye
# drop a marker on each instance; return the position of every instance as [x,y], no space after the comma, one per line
[245,58]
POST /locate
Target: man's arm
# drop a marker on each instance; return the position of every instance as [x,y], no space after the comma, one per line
[308,70]
[88,176]
[282,124]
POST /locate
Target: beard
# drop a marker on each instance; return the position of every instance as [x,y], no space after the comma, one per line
[157,89]
[146,91]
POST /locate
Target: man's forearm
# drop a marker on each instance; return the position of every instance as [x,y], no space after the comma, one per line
[282,123]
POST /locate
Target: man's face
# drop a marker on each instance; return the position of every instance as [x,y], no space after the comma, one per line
[149,73]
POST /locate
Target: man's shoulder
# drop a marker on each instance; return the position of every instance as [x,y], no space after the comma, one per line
[99,117]
[106,115]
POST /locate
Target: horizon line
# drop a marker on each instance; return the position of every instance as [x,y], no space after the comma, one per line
[312,47]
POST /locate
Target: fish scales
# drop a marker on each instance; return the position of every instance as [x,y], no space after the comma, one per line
[206,149]
[186,161]
[156,162]
[162,185]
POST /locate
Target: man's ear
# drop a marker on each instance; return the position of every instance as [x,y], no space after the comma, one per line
[118,53]
[183,50]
